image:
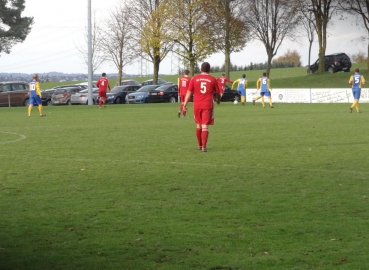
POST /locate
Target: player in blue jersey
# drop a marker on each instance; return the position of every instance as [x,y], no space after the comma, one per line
[35,95]
[242,85]
[356,81]
[263,85]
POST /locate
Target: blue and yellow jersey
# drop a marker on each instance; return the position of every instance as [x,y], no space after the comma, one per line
[34,88]
[242,83]
[357,80]
[263,84]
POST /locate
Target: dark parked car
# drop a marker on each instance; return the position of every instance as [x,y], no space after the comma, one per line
[118,94]
[164,93]
[63,95]
[130,82]
[46,96]
[150,82]
[230,94]
[14,94]
[332,63]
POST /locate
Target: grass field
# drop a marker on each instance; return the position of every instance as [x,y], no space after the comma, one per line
[125,187]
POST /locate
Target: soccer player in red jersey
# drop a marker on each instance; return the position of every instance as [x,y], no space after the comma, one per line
[222,80]
[183,83]
[203,87]
[103,84]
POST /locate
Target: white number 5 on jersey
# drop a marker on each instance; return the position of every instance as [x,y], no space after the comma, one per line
[203,87]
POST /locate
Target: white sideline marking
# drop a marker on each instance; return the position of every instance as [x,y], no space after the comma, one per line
[21,137]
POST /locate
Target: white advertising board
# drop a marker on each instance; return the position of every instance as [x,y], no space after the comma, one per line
[310,95]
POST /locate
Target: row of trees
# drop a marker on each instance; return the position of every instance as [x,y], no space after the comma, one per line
[196,29]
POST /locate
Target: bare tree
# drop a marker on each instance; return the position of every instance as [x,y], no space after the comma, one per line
[323,11]
[98,56]
[150,24]
[361,8]
[230,30]
[271,21]
[117,39]
[307,22]
[190,31]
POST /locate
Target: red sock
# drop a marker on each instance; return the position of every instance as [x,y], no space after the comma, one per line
[184,113]
[198,135]
[204,137]
[181,107]
[100,102]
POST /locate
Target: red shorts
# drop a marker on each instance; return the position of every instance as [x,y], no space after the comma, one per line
[204,117]
[102,94]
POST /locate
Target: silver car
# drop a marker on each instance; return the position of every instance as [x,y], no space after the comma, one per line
[82,97]
[61,96]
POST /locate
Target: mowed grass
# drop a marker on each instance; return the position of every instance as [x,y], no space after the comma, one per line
[125,187]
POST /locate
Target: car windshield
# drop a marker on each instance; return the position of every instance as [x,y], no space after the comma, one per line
[147,88]
[164,88]
[60,91]
[118,89]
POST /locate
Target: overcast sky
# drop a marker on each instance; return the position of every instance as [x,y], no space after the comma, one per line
[60,26]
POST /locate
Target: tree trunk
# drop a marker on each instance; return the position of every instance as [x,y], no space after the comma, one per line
[227,61]
[367,58]
[311,43]
[156,64]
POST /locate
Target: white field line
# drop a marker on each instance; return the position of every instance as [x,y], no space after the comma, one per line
[20,137]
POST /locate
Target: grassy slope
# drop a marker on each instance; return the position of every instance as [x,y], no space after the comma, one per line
[280,78]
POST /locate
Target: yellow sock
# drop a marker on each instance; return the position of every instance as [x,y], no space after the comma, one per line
[357,107]
[29,110]
[354,104]
[242,99]
[270,102]
[262,101]
[40,109]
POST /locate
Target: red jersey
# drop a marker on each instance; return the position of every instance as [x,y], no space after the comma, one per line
[184,83]
[103,84]
[222,81]
[203,87]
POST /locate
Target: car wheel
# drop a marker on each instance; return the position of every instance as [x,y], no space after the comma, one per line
[347,70]
[310,71]
[69,103]
[172,99]
[118,100]
[48,103]
[330,70]
[26,102]
[237,98]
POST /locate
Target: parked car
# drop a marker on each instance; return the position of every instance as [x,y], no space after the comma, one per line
[332,63]
[164,93]
[63,95]
[150,82]
[117,95]
[80,86]
[14,94]
[230,94]
[46,96]
[82,97]
[140,96]
[130,82]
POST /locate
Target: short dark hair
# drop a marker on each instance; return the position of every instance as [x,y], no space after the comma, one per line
[104,74]
[264,74]
[357,70]
[186,72]
[223,74]
[244,76]
[205,67]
